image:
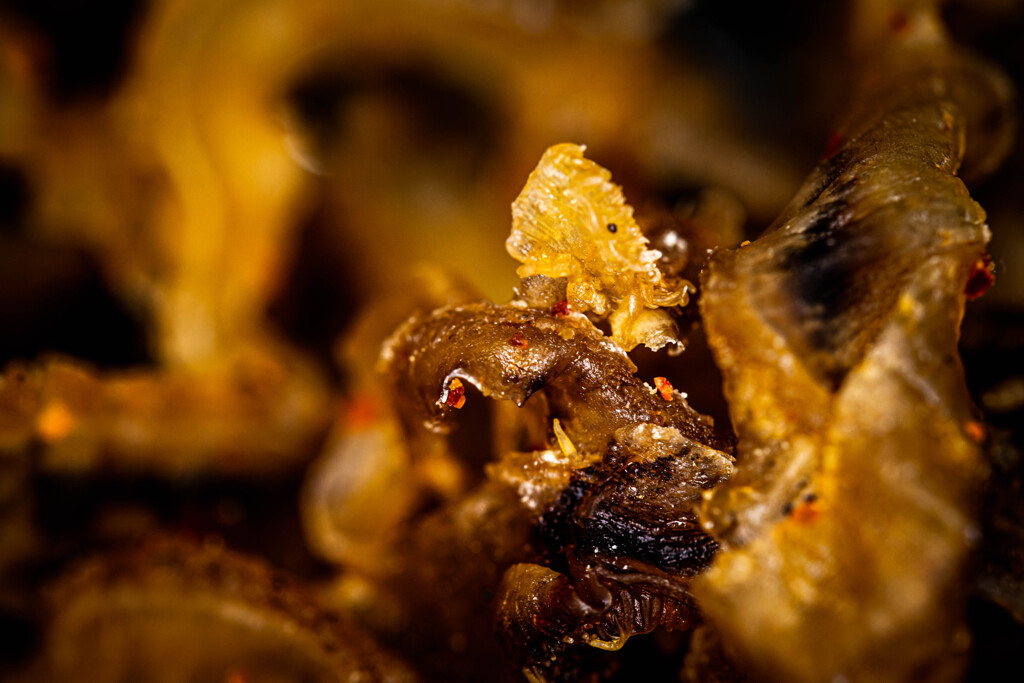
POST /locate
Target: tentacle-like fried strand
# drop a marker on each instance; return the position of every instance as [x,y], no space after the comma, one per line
[510,352]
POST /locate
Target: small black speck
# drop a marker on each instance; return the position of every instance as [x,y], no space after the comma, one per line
[612,227]
[787,509]
[810,497]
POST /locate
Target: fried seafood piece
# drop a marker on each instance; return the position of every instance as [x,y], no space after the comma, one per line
[616,536]
[511,351]
[853,511]
[261,416]
[607,505]
[172,611]
[623,542]
[440,579]
[571,222]
[364,485]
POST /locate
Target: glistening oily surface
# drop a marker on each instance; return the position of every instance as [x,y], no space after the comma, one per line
[855,510]
[292,437]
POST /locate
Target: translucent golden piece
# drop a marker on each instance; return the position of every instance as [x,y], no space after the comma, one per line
[853,511]
[571,221]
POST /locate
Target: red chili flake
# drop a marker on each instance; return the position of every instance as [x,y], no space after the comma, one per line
[664,387]
[981,278]
[456,394]
[975,430]
[519,340]
[561,309]
[360,412]
[898,22]
[832,145]
[806,513]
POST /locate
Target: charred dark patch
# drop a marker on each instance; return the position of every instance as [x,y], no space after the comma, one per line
[675,546]
[659,471]
[822,273]
[627,516]
[830,171]
[555,527]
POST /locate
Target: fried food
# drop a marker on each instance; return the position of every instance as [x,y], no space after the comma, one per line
[261,416]
[591,523]
[854,510]
[169,610]
[571,222]
[590,536]
[511,351]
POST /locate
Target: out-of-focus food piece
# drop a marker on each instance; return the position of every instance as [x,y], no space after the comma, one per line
[854,508]
[449,105]
[205,101]
[365,482]
[983,93]
[993,350]
[571,222]
[172,611]
[258,418]
[182,184]
[181,180]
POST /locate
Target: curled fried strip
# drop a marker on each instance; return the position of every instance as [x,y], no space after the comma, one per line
[588,380]
[215,614]
[853,509]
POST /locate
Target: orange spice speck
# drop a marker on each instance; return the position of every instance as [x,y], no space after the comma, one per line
[808,512]
[975,430]
[745,243]
[664,387]
[981,277]
[360,412]
[456,393]
[55,422]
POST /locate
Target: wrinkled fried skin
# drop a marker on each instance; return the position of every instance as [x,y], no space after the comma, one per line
[215,614]
[853,510]
[612,502]
[588,380]
[626,534]
[602,508]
